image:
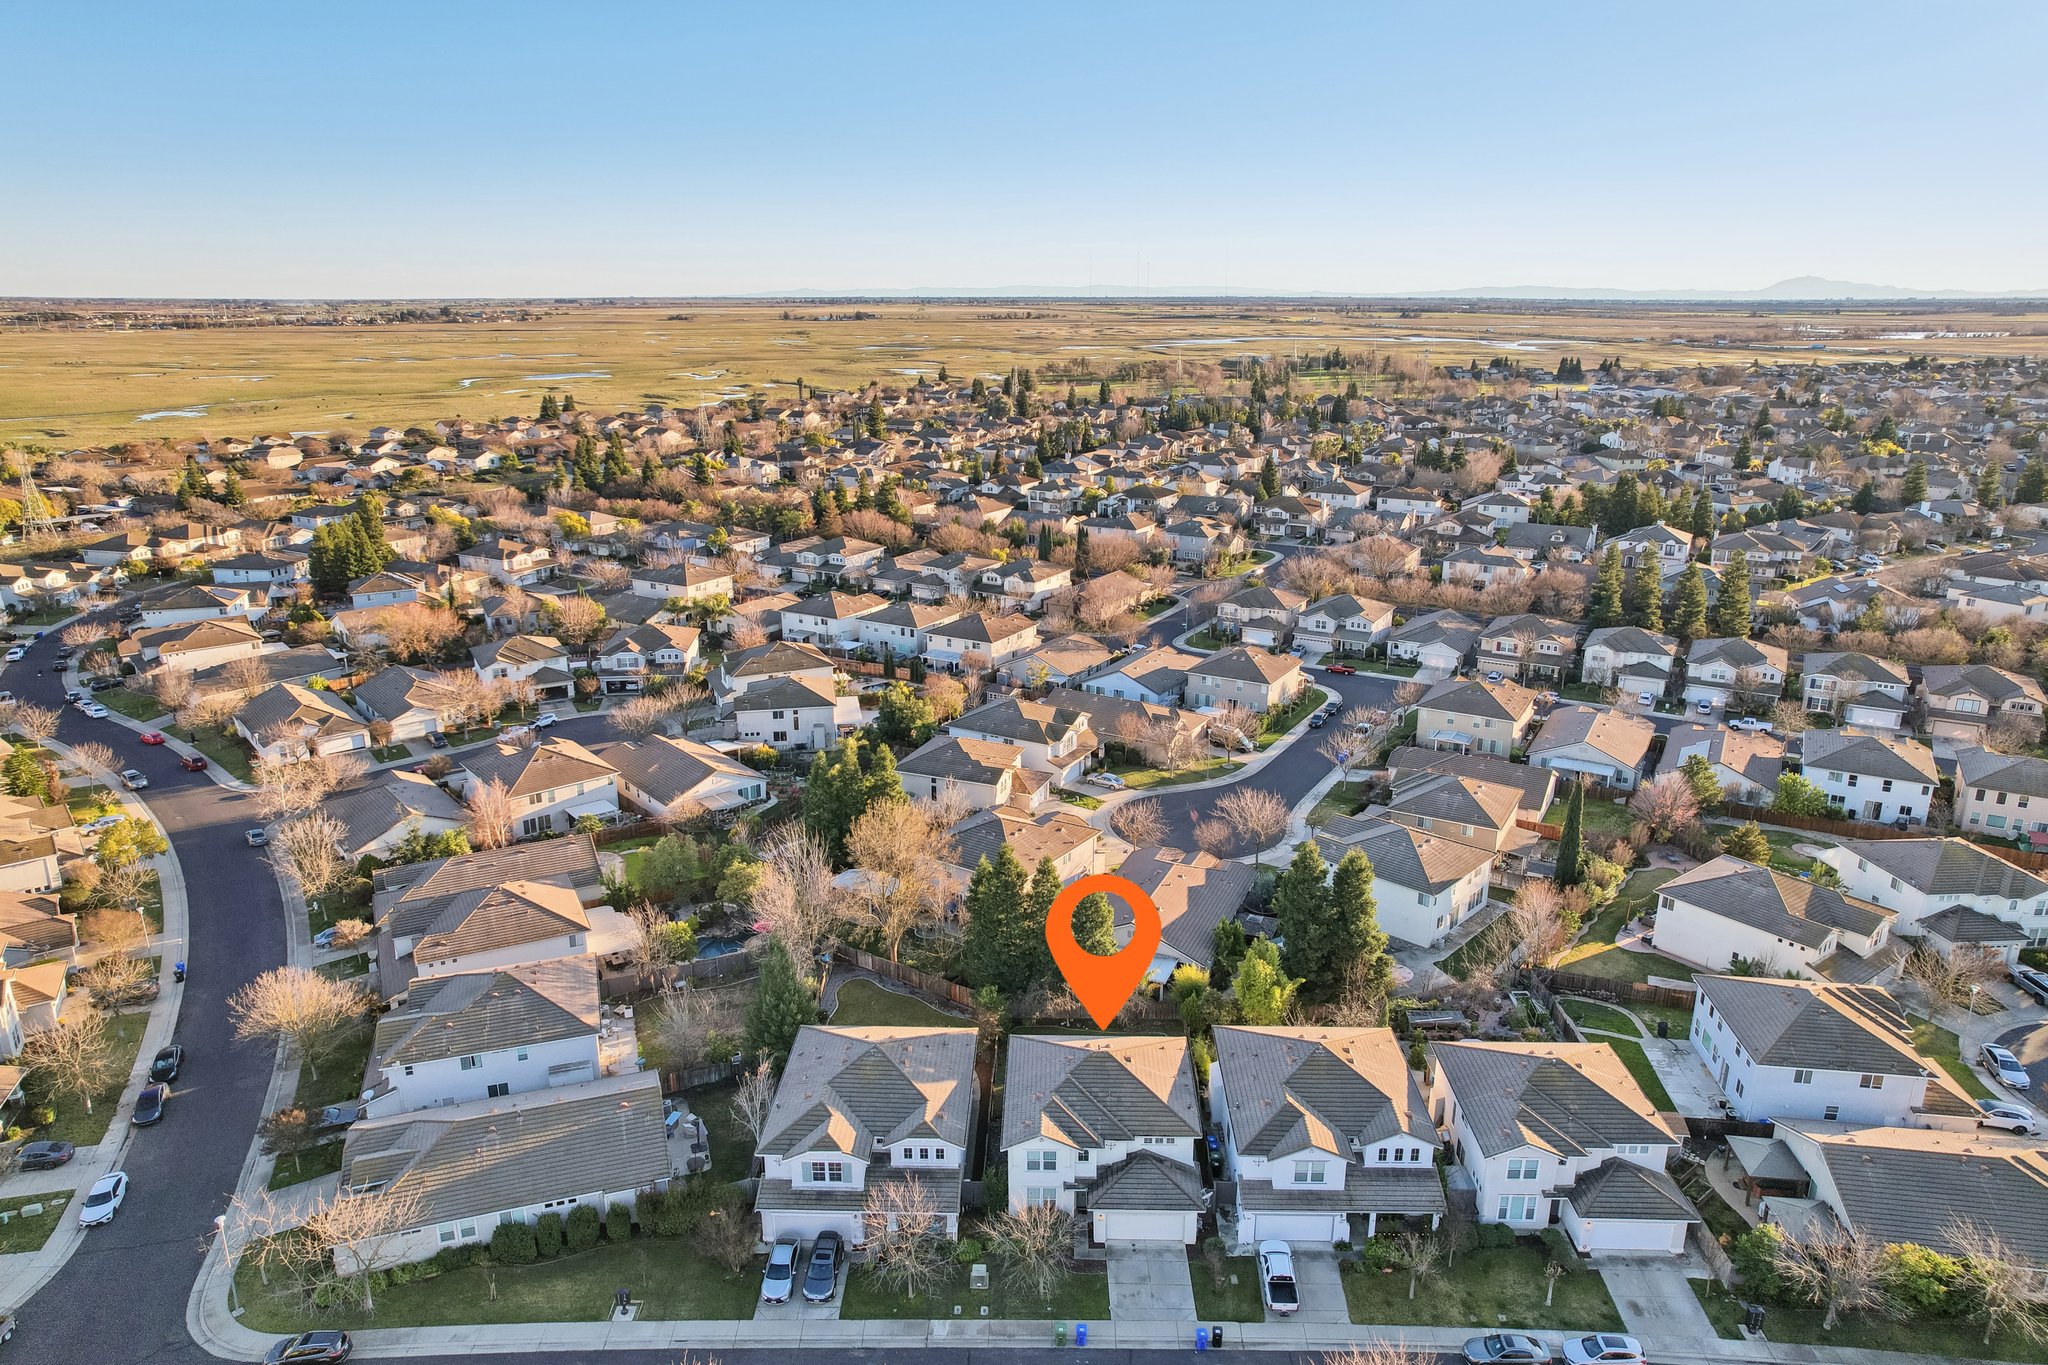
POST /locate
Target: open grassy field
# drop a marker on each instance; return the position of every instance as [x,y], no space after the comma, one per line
[94,386]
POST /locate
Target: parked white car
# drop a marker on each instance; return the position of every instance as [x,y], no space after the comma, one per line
[1109,780]
[17,654]
[1756,723]
[2014,1118]
[1277,1285]
[1603,1348]
[2001,1063]
[103,1200]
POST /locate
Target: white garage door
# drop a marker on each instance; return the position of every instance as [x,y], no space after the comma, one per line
[1131,1225]
[1309,1228]
[1611,1235]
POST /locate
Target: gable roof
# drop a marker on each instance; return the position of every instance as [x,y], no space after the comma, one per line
[1816,1024]
[1404,856]
[1785,907]
[1287,1089]
[453,1016]
[1193,892]
[1947,867]
[847,1089]
[1570,1099]
[1090,1092]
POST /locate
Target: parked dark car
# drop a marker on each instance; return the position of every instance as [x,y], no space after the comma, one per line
[149,1105]
[309,1347]
[45,1156]
[102,684]
[823,1275]
[2033,982]
[438,740]
[335,1117]
[169,1061]
[192,763]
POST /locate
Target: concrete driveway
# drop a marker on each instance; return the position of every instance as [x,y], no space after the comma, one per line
[1655,1301]
[1149,1283]
[1320,1288]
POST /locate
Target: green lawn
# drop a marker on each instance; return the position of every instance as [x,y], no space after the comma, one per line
[73,1124]
[341,1074]
[1593,1014]
[863,1004]
[1207,639]
[1931,1338]
[1394,666]
[1940,1044]
[130,703]
[1582,691]
[20,1233]
[90,803]
[1081,799]
[668,1277]
[732,1146]
[225,750]
[344,967]
[1618,964]
[1635,895]
[1638,1063]
[1203,770]
[1082,1296]
[391,753]
[1229,1302]
[1345,798]
[1486,1288]
[1601,824]
[322,1160]
[1282,721]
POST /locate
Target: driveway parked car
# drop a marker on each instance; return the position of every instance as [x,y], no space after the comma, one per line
[1756,723]
[2006,1067]
[257,837]
[1109,780]
[310,1348]
[1276,1278]
[1607,1348]
[44,1156]
[94,710]
[2014,1118]
[103,1200]
[149,1105]
[823,1275]
[437,740]
[1496,676]
[170,1060]
[2032,982]
[543,720]
[1502,1347]
[780,1276]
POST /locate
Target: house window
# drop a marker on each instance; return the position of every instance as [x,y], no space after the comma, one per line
[1311,1172]
[1802,1077]
[1516,1208]
[1381,1155]
[906,1153]
[1041,1161]
[828,1172]
[1831,1113]
[1041,1194]
[1522,1168]
[1869,1082]
[472,1062]
[497,1090]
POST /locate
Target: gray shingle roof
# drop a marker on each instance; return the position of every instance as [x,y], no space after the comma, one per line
[1816,1024]
[2023,776]
[452,1016]
[1403,856]
[1948,867]
[1785,907]
[1291,1088]
[1915,1184]
[1568,1098]
[1090,1092]
[1193,892]
[369,812]
[1620,1190]
[1535,785]
[846,1089]
[1147,1180]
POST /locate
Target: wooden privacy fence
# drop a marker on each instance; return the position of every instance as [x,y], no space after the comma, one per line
[1821,824]
[1539,829]
[1580,983]
[937,987]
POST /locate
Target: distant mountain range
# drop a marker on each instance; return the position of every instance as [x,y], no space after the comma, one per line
[1803,288]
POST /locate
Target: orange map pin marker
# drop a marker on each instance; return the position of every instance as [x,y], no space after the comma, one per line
[1103,984]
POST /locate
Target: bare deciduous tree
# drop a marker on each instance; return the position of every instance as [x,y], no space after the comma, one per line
[1140,823]
[795,897]
[1537,921]
[115,979]
[644,715]
[74,1054]
[902,851]
[172,688]
[1664,803]
[491,814]
[1255,813]
[1835,1270]
[1035,1246]
[94,757]
[359,1229]
[1380,1353]
[2005,1288]
[691,1021]
[1952,978]
[1421,1254]
[298,1006]
[753,1097]
[35,722]
[1215,837]
[307,853]
[905,1235]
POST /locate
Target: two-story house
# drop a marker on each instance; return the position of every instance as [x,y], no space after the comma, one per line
[1743,675]
[1816,1050]
[901,628]
[1964,700]
[1345,623]
[1934,884]
[1629,658]
[1857,690]
[1250,678]
[1529,648]
[983,639]
[484,1035]
[538,659]
[858,1108]
[1603,744]
[1260,615]
[1439,644]
[1560,1133]
[1870,776]
[1424,886]
[1473,716]
[1054,740]
[1106,1128]
[688,581]
[1728,909]
[507,560]
[1746,763]
[796,711]
[631,656]
[662,774]
[2002,795]
[553,783]
[1321,1125]
[980,773]
[829,620]
[1023,584]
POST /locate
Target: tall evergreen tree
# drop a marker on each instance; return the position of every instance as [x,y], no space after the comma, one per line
[1361,961]
[1269,478]
[1914,489]
[1643,598]
[1689,605]
[782,1004]
[1301,905]
[994,904]
[1570,840]
[550,408]
[1732,606]
[1990,486]
[231,489]
[2033,484]
[1865,501]
[1095,926]
[1608,607]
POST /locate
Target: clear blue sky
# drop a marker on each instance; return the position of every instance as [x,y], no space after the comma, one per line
[441,148]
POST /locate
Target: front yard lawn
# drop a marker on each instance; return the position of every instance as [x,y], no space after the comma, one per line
[73,1124]
[1081,1296]
[1939,1043]
[1229,1302]
[342,968]
[130,703]
[341,1074]
[392,753]
[227,751]
[863,1004]
[22,1233]
[1207,640]
[1081,799]
[1346,798]
[322,1160]
[1280,722]
[1487,1287]
[1933,1338]
[668,1278]
[1203,770]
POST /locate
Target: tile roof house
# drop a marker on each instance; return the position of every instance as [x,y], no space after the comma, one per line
[32,926]
[981,773]
[1728,909]
[1560,1132]
[377,814]
[1858,690]
[1465,810]
[1054,739]
[1321,1125]
[857,1108]
[1424,886]
[1440,643]
[1245,677]
[482,1035]
[1816,1050]
[1158,676]
[553,782]
[796,711]
[1529,648]
[1472,716]
[1964,700]
[1870,777]
[1746,762]
[1601,743]
[2003,795]
[1075,847]
[1106,1128]
[1345,623]
[1534,787]
[660,771]
[1630,658]
[1923,878]
[1726,672]
[1257,614]
[286,722]
[472,1166]
[1193,892]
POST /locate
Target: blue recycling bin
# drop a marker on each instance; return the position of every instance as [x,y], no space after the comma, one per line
[1080,1334]
[1201,1338]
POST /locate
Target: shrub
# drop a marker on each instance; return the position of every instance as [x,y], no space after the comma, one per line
[618,1223]
[995,1188]
[1495,1236]
[513,1244]
[1378,1254]
[967,1250]
[1755,1256]
[1418,1055]
[547,1235]
[42,1116]
[579,1230]
[1923,1281]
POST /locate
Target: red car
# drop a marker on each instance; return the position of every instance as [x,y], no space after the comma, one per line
[191,763]
[1343,669]
[153,738]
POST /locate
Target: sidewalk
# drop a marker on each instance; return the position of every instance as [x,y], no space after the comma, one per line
[26,1272]
[73,683]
